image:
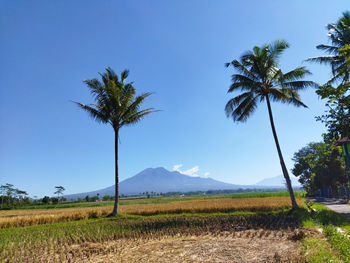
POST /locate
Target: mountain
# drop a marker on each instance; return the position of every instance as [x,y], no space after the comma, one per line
[278,181]
[160,180]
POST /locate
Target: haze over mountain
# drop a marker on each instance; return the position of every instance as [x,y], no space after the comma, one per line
[160,180]
[278,181]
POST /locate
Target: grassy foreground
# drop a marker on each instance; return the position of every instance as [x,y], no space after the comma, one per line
[54,241]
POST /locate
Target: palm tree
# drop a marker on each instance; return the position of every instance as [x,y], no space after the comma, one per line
[118,105]
[339,34]
[260,79]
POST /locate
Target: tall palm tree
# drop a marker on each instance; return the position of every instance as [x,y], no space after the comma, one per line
[118,105]
[259,79]
[339,35]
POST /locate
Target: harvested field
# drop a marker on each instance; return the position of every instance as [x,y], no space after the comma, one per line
[156,239]
[244,246]
[17,218]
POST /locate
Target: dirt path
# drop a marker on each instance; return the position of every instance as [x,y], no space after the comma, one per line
[337,205]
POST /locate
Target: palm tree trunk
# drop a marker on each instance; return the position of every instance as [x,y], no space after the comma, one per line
[116,198]
[283,165]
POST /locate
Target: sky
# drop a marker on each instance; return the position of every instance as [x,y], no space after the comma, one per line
[175,49]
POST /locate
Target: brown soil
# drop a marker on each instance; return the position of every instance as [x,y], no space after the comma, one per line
[244,246]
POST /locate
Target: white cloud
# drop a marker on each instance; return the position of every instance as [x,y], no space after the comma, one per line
[190,172]
[177,167]
[206,174]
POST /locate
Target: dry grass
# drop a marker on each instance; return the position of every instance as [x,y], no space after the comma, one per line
[246,246]
[17,218]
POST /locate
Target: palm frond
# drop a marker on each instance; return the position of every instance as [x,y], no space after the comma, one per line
[116,101]
[328,49]
[137,116]
[321,59]
[124,75]
[277,47]
[237,105]
[133,106]
[295,74]
[300,84]
[248,110]
[94,113]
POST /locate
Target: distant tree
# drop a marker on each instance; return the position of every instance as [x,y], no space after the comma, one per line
[59,191]
[87,198]
[116,104]
[21,195]
[45,200]
[54,200]
[107,198]
[9,191]
[259,78]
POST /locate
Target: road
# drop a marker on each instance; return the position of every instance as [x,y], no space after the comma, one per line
[337,205]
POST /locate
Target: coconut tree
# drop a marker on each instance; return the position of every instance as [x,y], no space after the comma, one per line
[260,79]
[339,35]
[116,103]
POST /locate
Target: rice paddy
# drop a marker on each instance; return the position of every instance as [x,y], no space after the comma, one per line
[20,218]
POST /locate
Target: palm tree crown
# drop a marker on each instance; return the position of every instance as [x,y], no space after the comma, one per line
[116,101]
[259,78]
[339,35]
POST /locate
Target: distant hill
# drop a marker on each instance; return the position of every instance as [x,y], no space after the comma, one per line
[278,181]
[160,180]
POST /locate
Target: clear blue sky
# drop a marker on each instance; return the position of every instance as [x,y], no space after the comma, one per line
[176,49]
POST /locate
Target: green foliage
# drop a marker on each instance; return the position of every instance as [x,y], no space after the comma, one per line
[116,100]
[319,164]
[339,35]
[260,78]
[337,115]
[11,197]
[336,90]
[54,200]
[45,200]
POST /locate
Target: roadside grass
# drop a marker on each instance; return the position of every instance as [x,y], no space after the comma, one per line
[316,249]
[330,222]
